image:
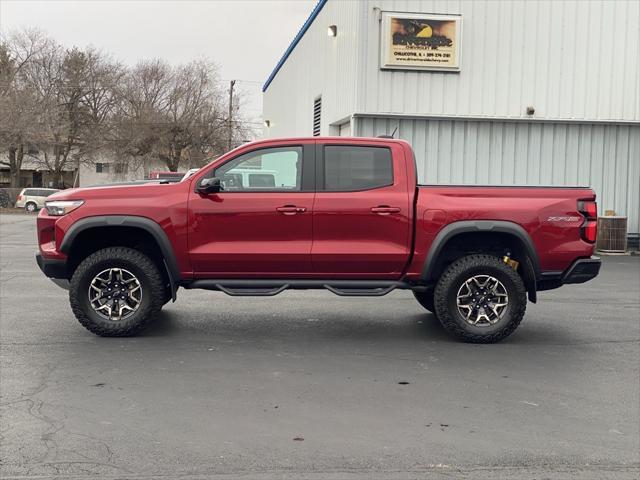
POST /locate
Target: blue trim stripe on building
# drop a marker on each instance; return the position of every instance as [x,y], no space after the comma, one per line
[297,38]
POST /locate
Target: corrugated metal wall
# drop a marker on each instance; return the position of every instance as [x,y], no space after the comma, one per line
[569,59]
[604,157]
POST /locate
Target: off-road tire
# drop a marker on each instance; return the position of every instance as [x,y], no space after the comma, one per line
[426,300]
[452,279]
[34,207]
[147,272]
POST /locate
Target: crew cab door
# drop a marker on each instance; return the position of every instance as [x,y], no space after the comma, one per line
[362,212]
[260,223]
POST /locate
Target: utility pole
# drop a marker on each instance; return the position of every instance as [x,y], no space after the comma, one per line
[230,139]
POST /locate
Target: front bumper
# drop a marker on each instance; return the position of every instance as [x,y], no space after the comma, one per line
[582,270]
[52,268]
[55,269]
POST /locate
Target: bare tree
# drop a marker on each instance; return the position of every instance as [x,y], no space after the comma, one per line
[64,107]
[99,103]
[74,95]
[173,113]
[18,100]
[142,100]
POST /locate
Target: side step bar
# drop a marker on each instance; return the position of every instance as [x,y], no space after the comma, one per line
[269,288]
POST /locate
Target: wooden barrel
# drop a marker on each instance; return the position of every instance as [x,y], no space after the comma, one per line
[612,234]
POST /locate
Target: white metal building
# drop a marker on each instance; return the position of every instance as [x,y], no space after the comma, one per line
[544,93]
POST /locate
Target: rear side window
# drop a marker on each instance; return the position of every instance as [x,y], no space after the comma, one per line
[349,168]
[31,192]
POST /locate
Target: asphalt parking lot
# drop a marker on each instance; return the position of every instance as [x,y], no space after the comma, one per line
[310,385]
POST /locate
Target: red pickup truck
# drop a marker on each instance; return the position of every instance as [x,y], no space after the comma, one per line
[343,214]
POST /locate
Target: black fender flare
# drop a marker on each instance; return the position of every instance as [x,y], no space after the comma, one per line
[531,268]
[144,223]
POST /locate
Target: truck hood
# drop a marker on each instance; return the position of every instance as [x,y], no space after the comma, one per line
[115,190]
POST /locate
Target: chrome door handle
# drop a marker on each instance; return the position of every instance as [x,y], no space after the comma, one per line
[385,210]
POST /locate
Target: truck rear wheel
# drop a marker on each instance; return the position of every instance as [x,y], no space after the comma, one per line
[480,299]
[115,292]
[425,299]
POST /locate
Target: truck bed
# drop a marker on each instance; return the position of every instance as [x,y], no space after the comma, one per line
[549,215]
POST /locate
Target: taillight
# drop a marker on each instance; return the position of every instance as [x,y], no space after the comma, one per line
[588,209]
[589,229]
[19,197]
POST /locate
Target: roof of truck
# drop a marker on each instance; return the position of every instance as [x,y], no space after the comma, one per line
[329,139]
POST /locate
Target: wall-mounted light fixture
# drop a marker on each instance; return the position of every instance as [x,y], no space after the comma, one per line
[531,110]
[332,31]
[267,123]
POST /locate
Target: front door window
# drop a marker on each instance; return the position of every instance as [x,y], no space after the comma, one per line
[270,169]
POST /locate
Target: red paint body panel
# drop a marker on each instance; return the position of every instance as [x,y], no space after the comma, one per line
[165,204]
[349,240]
[241,235]
[558,243]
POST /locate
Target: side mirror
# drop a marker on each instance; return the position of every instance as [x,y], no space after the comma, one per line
[209,185]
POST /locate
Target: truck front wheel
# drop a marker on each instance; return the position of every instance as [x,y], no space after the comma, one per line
[480,299]
[116,291]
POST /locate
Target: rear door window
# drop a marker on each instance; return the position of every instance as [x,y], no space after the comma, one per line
[352,168]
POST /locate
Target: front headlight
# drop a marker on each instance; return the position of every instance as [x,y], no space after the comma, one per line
[62,207]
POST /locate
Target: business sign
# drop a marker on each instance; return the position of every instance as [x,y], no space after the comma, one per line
[414,41]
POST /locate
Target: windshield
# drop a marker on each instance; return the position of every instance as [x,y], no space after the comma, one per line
[189,173]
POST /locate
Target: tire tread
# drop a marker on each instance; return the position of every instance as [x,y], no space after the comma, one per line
[130,255]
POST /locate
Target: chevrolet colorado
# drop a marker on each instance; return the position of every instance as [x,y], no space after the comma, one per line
[343,214]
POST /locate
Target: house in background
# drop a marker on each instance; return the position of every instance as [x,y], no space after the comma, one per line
[107,168]
[34,175]
[508,92]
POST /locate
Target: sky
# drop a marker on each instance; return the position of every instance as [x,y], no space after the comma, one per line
[246,38]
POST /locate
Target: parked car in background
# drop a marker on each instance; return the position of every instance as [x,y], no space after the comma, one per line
[32,199]
[168,176]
